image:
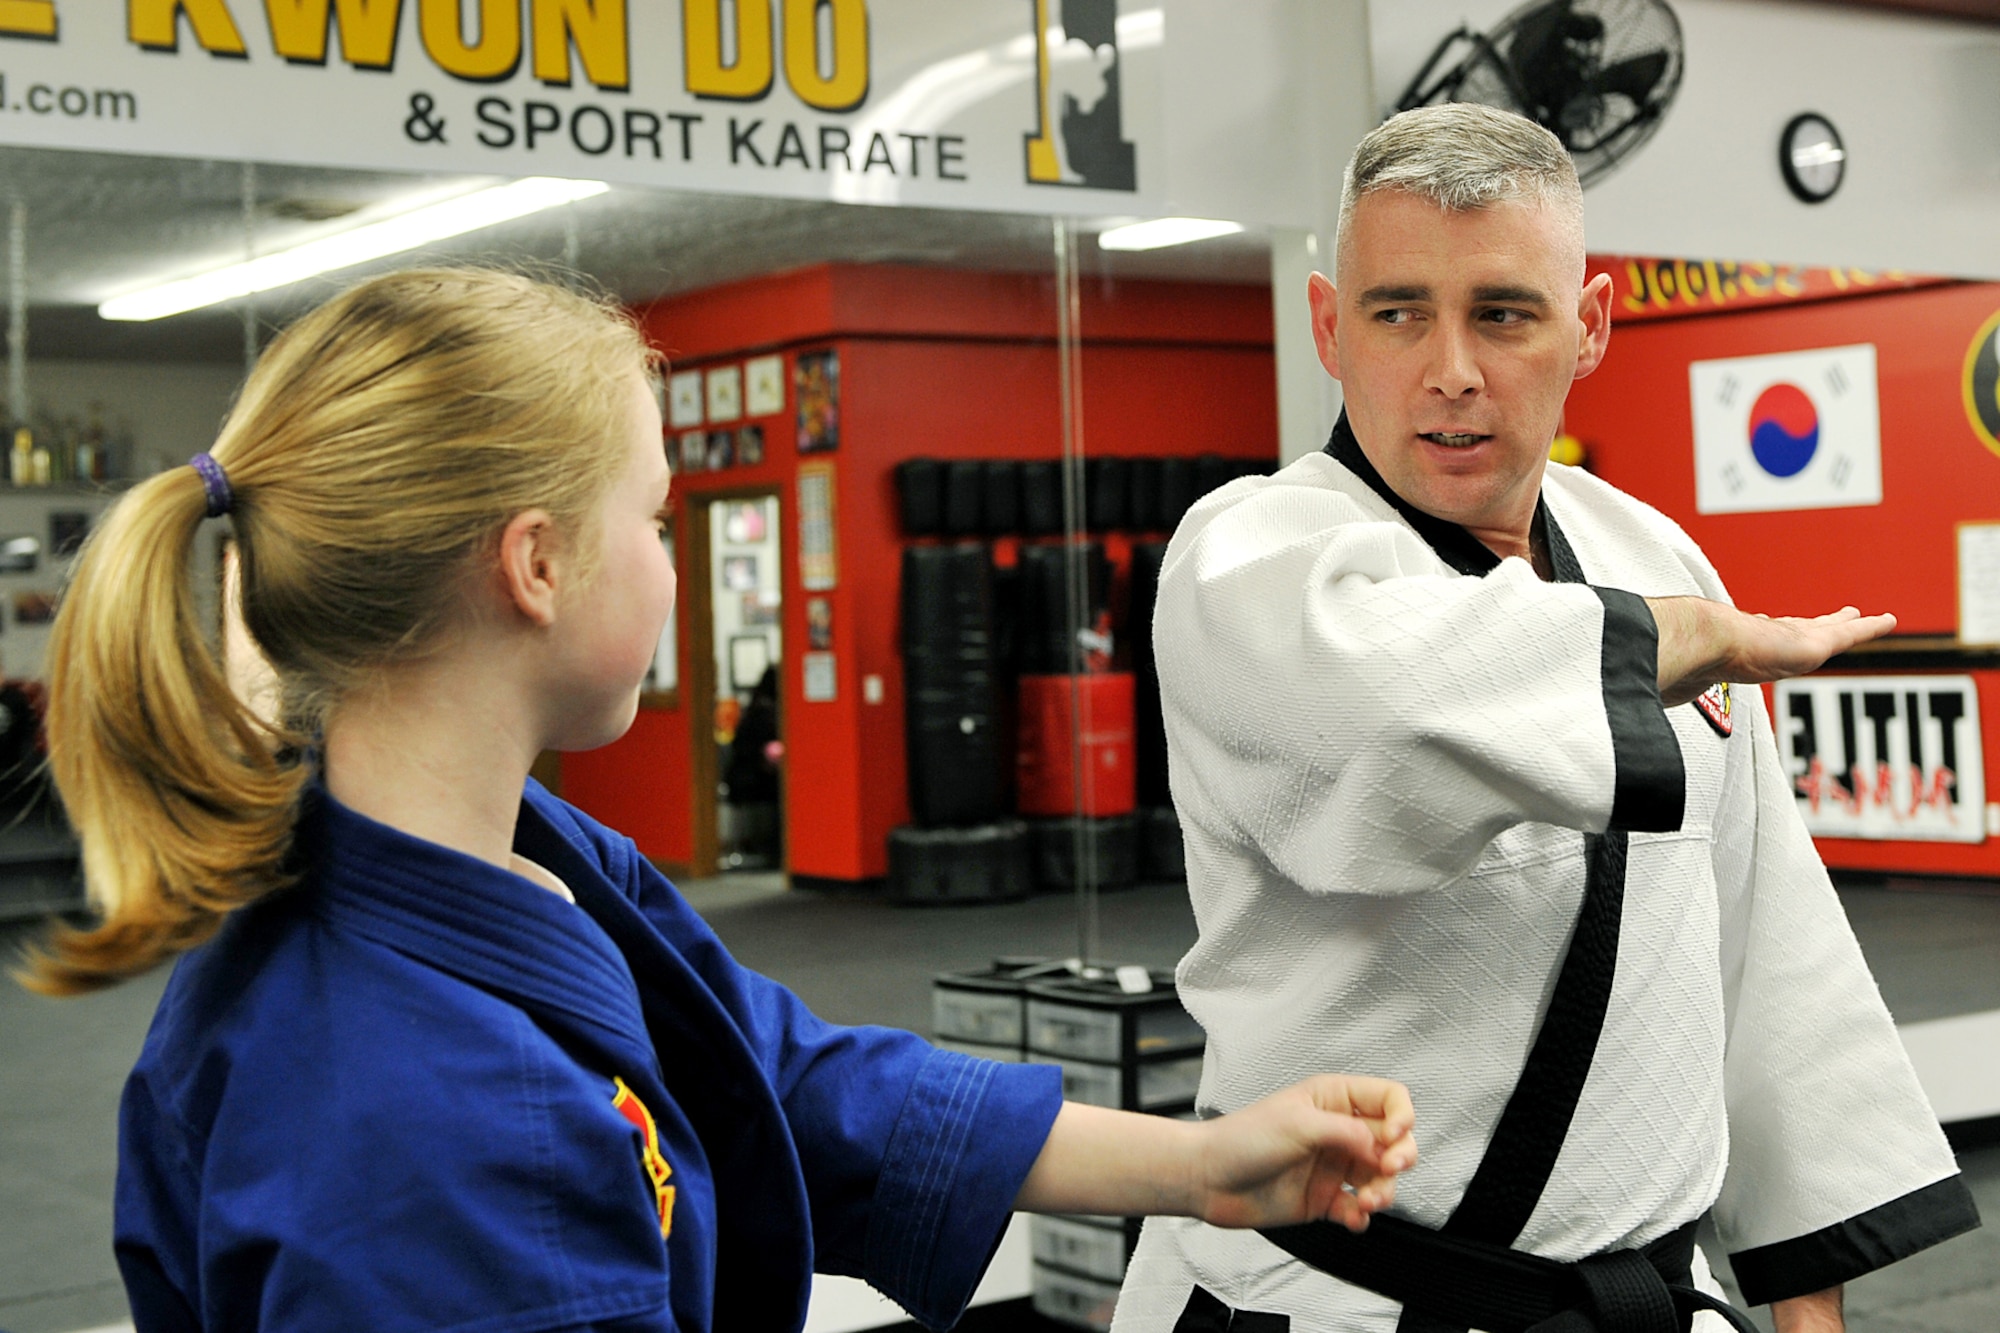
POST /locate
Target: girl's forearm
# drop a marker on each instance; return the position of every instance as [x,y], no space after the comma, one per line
[1116,1163]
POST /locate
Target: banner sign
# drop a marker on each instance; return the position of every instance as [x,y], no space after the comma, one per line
[1040,106]
[1885,757]
[1649,289]
[1796,430]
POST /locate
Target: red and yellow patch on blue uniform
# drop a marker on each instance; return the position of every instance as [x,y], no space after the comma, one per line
[1713,704]
[627,1104]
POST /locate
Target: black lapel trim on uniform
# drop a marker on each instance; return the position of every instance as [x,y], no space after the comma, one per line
[1205,1313]
[1453,544]
[1649,793]
[1863,1243]
[1522,1152]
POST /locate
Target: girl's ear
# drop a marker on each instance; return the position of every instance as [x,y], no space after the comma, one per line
[530,565]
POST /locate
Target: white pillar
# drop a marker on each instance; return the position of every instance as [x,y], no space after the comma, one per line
[1337,106]
[1308,397]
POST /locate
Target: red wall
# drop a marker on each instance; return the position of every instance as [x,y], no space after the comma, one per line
[933,363]
[1635,418]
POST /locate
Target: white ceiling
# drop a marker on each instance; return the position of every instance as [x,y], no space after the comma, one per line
[101,224]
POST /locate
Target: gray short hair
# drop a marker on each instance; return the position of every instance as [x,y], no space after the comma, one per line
[1463,156]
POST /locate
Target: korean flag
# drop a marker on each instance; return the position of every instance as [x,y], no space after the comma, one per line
[1798,430]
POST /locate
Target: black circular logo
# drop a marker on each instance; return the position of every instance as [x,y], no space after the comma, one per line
[1982,383]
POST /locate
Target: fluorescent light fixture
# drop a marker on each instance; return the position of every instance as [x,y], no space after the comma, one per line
[1163,232]
[358,245]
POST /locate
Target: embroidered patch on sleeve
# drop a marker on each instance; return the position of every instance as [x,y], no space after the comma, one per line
[1713,704]
[627,1104]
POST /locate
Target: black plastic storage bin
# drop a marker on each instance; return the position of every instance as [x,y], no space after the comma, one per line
[1212,471]
[1107,493]
[1149,726]
[1177,491]
[1041,498]
[920,496]
[1142,500]
[1044,631]
[1133,1051]
[1000,497]
[951,693]
[964,504]
[985,1012]
[1112,845]
[1162,854]
[986,863]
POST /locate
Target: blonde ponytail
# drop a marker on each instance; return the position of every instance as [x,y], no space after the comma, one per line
[382,442]
[182,798]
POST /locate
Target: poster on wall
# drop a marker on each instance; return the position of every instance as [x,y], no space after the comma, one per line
[821,678]
[694,450]
[1884,757]
[684,399]
[725,393]
[819,623]
[818,382]
[721,450]
[819,568]
[764,386]
[750,446]
[1029,106]
[1979,583]
[1795,430]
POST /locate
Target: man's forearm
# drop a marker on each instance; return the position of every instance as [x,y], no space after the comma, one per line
[1817,1313]
[1702,642]
[1689,657]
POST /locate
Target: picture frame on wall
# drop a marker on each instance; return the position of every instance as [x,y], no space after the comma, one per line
[684,399]
[694,451]
[739,573]
[743,524]
[750,446]
[725,393]
[721,449]
[817,381]
[764,386]
[819,623]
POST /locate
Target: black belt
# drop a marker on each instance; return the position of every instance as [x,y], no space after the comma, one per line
[1476,1284]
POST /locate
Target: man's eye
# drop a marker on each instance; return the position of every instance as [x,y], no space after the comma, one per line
[1395,316]
[1505,317]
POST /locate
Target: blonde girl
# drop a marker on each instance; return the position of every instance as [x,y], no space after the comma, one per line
[440,1051]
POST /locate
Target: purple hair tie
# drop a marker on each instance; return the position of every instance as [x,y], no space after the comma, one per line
[215,482]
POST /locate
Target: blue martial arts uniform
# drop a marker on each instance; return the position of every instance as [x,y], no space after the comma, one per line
[420,1092]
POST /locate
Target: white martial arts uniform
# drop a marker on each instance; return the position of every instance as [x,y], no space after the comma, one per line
[1385,770]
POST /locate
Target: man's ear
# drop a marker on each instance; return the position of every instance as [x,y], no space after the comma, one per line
[528,565]
[1593,311]
[1325,305]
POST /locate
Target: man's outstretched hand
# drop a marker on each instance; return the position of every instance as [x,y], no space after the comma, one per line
[1702,642]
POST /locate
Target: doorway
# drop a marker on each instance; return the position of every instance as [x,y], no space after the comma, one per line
[736,660]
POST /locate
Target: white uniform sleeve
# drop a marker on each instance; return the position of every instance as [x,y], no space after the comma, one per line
[1836,1164]
[1369,723]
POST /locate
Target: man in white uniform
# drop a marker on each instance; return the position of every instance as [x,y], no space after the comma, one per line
[1467,804]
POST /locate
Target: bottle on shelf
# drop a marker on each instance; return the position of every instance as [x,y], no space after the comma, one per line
[21,461]
[90,446]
